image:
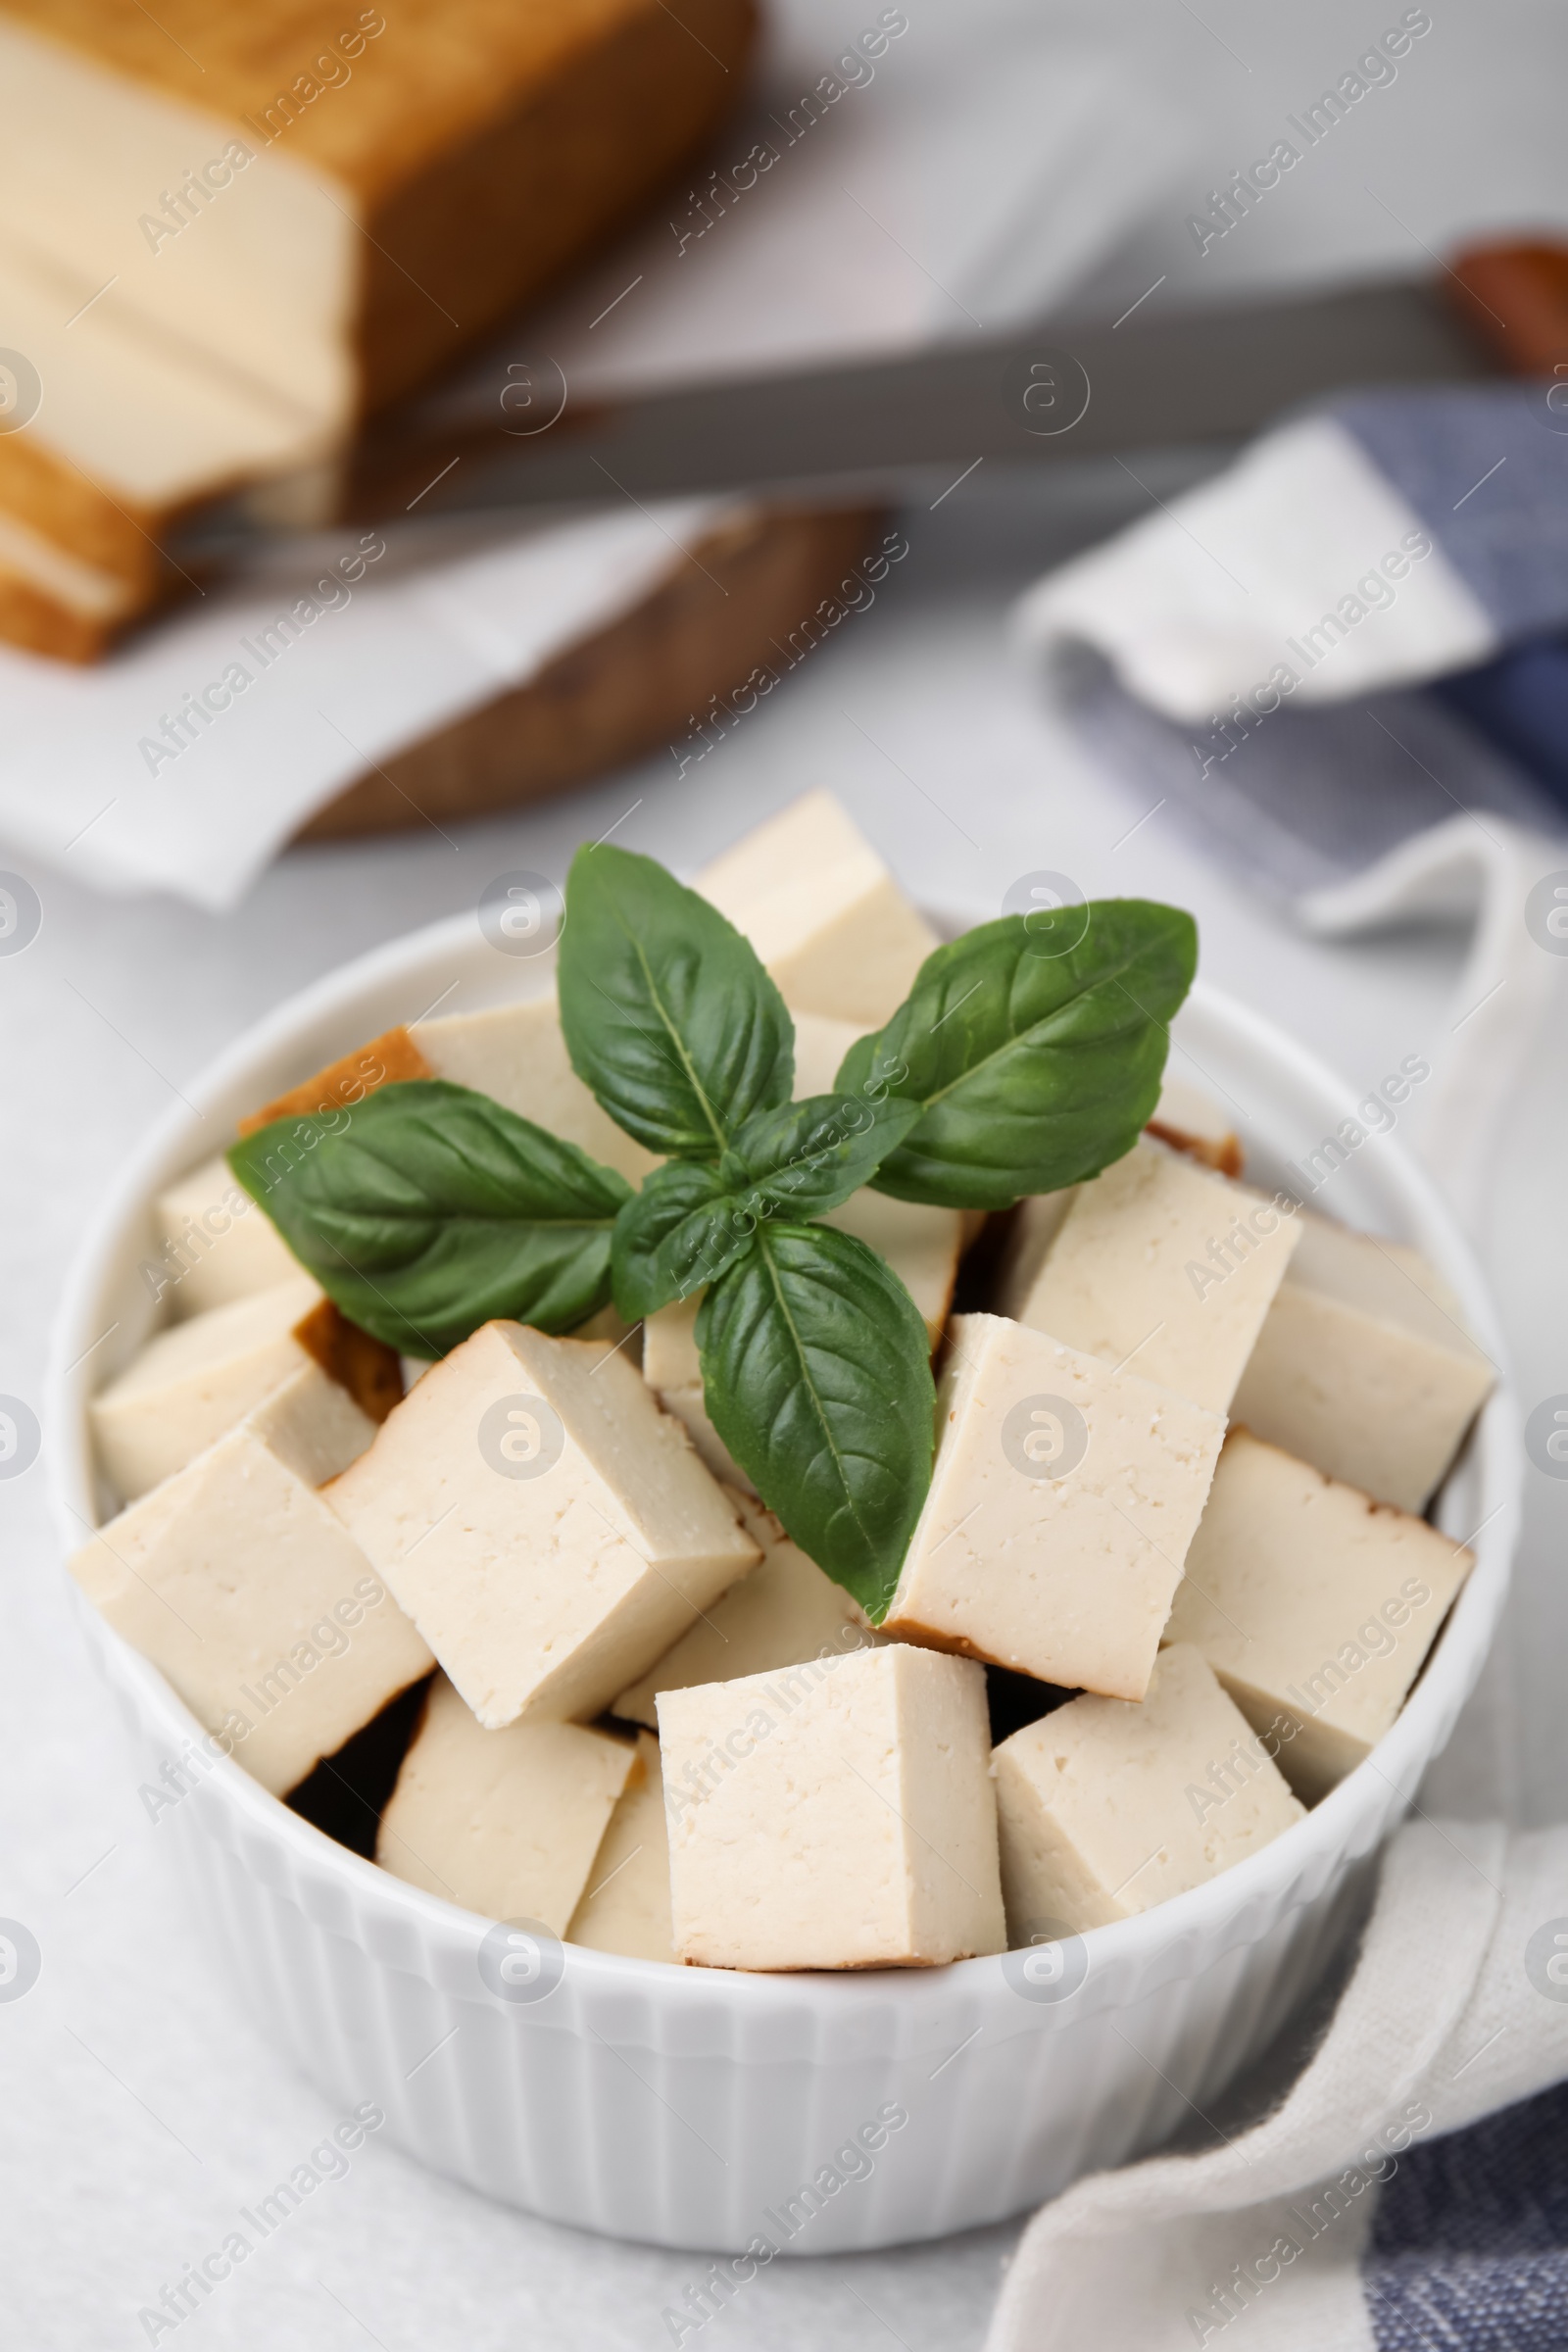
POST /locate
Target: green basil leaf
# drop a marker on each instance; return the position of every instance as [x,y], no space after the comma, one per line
[1033,1070]
[429,1208]
[691,1221]
[668,1017]
[816,1377]
[680,1230]
[810,1157]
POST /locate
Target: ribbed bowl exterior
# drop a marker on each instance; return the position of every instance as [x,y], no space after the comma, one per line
[705,2109]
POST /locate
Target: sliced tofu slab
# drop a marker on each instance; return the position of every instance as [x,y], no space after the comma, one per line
[198,1378]
[348,1080]
[1314,1605]
[1363,1366]
[837,1814]
[1106,1809]
[517,1054]
[689,1405]
[626,1907]
[824,912]
[214,1243]
[235,1579]
[547,1528]
[503,1823]
[1062,1501]
[1160,1261]
[781,1613]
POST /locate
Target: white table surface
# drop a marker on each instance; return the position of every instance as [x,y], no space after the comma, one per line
[141,2107]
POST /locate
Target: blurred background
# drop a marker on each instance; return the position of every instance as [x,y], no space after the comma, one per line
[628,418]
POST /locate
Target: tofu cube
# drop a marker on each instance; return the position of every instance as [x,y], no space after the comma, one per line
[517,1054]
[547,1528]
[674,1370]
[1363,1366]
[1158,1260]
[196,1378]
[1314,1605]
[240,1584]
[341,1084]
[1105,1808]
[1188,1121]
[1062,1501]
[1036,1222]
[626,1907]
[214,1243]
[503,1823]
[837,1814]
[780,1614]
[823,911]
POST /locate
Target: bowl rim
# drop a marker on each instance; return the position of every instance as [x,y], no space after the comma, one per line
[1238,1904]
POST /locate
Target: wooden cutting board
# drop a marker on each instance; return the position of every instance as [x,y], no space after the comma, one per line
[719,633]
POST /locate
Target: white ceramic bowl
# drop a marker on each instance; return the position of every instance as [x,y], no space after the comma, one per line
[687,2106]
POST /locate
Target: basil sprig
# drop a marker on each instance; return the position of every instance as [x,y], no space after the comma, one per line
[1031,1071]
[691,1221]
[430,1209]
[667,1012]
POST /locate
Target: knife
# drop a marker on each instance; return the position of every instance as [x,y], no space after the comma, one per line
[511,435]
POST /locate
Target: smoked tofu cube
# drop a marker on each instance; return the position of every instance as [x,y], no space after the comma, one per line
[824,912]
[837,1814]
[1062,1501]
[195,1380]
[239,1584]
[503,1823]
[548,1529]
[783,1612]
[1161,1262]
[1363,1366]
[517,1054]
[674,1370]
[626,1907]
[1188,1121]
[1105,1808]
[1314,1605]
[214,1243]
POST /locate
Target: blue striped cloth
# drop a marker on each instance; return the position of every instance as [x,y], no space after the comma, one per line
[1469,2243]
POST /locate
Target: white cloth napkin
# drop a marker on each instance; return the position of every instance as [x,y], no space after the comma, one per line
[374,652]
[1444,2019]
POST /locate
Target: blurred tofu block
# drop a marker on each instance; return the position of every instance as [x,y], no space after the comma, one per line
[837,1814]
[626,1905]
[503,1823]
[776,1615]
[1096,1801]
[1062,1501]
[824,912]
[214,1243]
[1036,1222]
[290,218]
[1188,1121]
[1363,1366]
[1165,1265]
[198,1378]
[689,1406]
[240,1584]
[1315,1606]
[547,1528]
[517,1054]
[921,1244]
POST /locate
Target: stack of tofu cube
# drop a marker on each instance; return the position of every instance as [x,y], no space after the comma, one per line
[1182,1451]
